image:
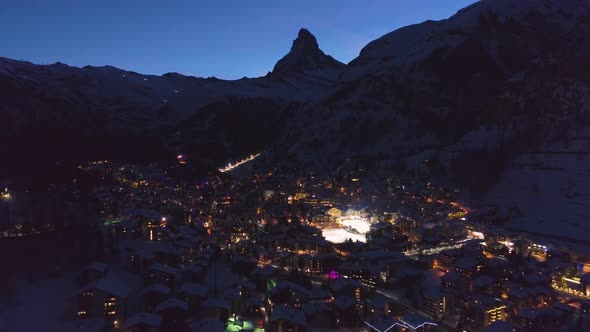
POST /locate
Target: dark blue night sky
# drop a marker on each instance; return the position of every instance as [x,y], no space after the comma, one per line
[222,38]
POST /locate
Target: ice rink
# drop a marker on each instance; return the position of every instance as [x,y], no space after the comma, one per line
[340,235]
[361,225]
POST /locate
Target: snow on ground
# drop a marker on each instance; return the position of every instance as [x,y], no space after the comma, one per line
[38,306]
[552,190]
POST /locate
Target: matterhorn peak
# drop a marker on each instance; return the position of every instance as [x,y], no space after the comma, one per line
[305,39]
[305,55]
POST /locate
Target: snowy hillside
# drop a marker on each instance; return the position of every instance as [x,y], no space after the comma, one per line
[495,73]
[550,189]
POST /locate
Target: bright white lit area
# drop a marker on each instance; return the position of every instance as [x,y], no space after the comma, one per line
[356,223]
[341,235]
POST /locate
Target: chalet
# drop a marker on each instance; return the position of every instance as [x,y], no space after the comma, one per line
[104,297]
[483,310]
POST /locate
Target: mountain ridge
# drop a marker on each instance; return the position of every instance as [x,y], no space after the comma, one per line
[417,91]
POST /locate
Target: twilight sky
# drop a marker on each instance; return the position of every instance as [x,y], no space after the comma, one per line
[223,38]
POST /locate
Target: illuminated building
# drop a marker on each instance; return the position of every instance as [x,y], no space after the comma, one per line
[317,202]
[181,159]
[574,285]
[316,265]
[5,194]
[334,213]
[405,224]
[110,307]
[481,311]
[434,304]
[103,298]
[349,287]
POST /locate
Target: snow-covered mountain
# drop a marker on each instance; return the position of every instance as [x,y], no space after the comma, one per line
[470,94]
[58,112]
[305,58]
[474,90]
[473,98]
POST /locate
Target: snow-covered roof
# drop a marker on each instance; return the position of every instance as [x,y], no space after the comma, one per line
[313,308]
[288,313]
[379,301]
[155,288]
[165,269]
[194,289]
[415,320]
[109,285]
[172,303]
[144,318]
[344,302]
[194,268]
[342,283]
[500,326]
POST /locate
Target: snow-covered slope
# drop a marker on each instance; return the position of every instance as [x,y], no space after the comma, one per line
[549,188]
